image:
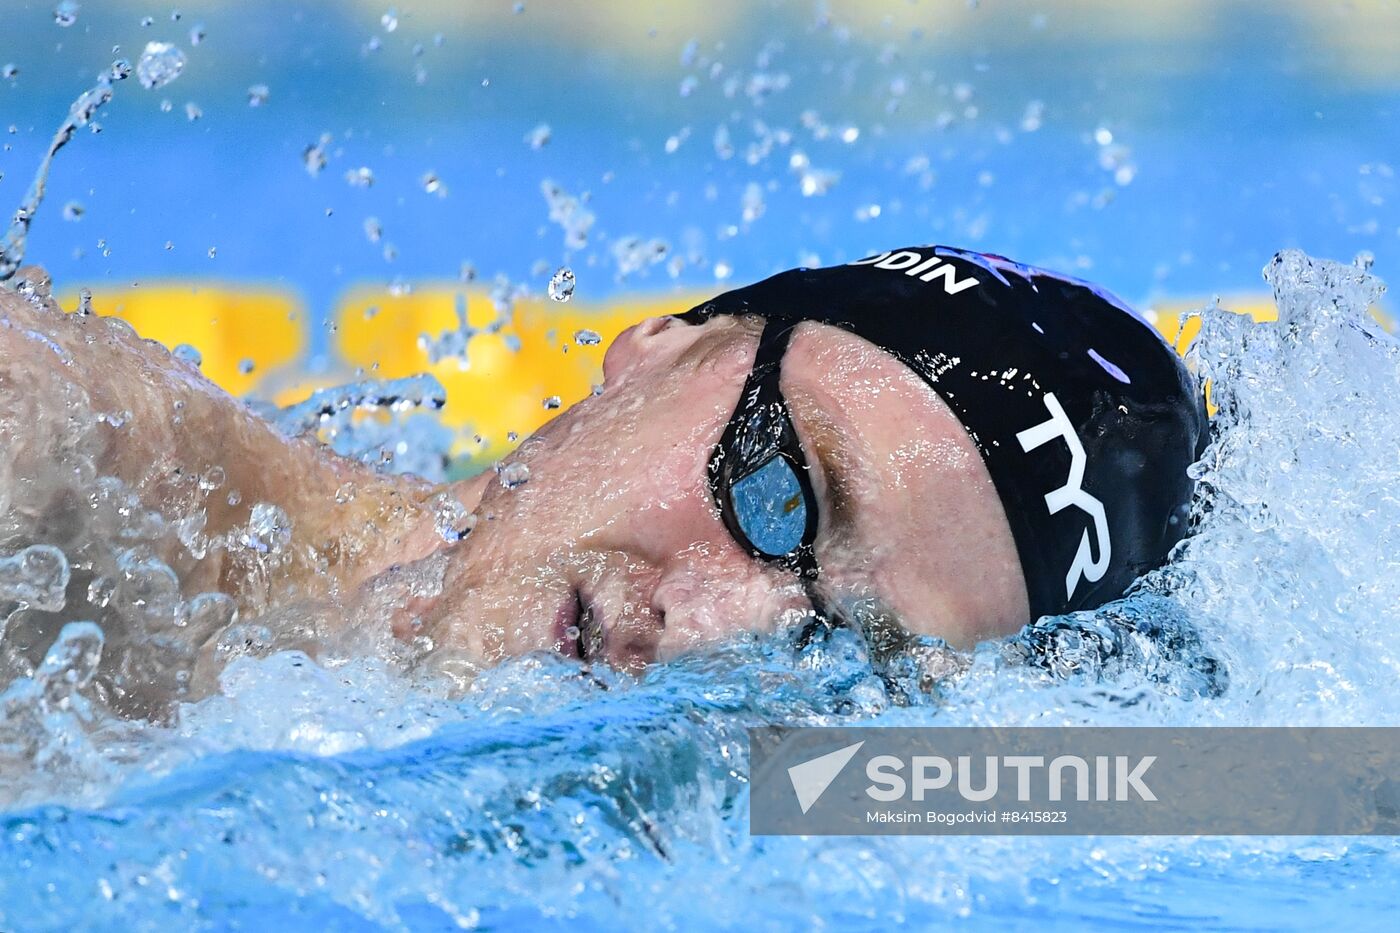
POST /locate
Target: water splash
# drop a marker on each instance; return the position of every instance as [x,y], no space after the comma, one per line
[405,439]
[541,789]
[456,342]
[80,114]
[569,213]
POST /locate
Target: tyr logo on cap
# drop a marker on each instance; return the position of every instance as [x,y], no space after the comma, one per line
[1072,493]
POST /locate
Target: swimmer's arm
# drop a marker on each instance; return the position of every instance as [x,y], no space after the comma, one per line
[80,389]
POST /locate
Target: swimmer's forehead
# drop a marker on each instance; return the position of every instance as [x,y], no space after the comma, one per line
[910,514]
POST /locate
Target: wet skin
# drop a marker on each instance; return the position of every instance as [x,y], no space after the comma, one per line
[616,532]
[614,547]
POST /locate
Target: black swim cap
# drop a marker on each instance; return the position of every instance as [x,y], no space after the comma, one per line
[1086,418]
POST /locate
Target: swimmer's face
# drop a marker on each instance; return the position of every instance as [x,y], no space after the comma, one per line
[614,545]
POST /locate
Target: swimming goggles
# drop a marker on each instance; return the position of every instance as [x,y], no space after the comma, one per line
[758,472]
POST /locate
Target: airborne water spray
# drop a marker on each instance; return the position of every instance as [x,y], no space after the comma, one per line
[80,114]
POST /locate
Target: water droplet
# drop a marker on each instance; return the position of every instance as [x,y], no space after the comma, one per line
[213,251]
[673,142]
[213,478]
[552,403]
[244,641]
[197,34]
[345,493]
[632,253]
[146,586]
[147,20]
[192,111]
[314,156]
[246,366]
[452,520]
[812,181]
[433,185]
[587,338]
[1034,116]
[159,64]
[752,202]
[85,302]
[258,95]
[539,137]
[723,270]
[66,13]
[119,70]
[269,529]
[206,614]
[561,284]
[513,475]
[390,20]
[73,211]
[188,354]
[10,70]
[36,577]
[70,663]
[362,177]
[374,231]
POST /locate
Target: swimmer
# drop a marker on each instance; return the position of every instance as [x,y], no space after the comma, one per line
[963,441]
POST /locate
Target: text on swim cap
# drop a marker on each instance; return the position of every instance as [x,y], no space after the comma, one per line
[1071,493]
[925,268]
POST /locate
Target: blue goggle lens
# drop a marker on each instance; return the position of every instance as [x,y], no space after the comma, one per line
[770,508]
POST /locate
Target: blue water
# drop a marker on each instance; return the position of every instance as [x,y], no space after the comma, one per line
[364,791]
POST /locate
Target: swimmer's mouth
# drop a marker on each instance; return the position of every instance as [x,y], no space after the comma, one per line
[586,631]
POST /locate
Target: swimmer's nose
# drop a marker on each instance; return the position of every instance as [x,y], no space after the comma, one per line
[636,346]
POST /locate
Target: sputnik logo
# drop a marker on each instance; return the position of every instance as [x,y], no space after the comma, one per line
[811,778]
